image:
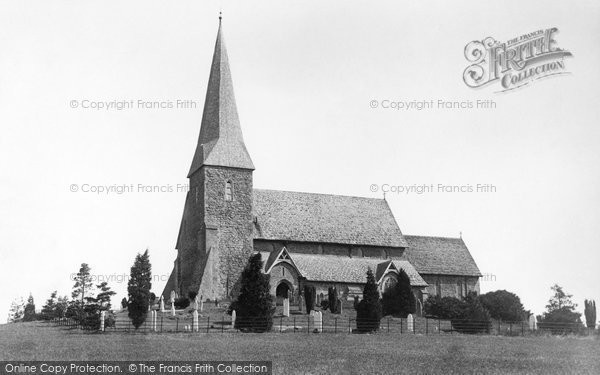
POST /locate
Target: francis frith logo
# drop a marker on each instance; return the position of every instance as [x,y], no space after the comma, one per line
[515,63]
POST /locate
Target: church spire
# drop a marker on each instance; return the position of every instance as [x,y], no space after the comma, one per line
[221,142]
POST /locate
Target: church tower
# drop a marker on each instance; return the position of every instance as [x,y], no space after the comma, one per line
[215,236]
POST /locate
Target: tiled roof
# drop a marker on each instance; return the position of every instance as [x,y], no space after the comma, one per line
[340,269]
[220,142]
[440,256]
[307,217]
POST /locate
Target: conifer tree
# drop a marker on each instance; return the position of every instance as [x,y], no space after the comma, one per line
[103,297]
[399,299]
[49,309]
[254,305]
[82,288]
[368,312]
[138,288]
[29,312]
[590,313]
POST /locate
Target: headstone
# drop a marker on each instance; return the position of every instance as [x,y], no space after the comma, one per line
[172,307]
[233,316]
[286,307]
[301,306]
[195,323]
[102,314]
[172,296]
[162,304]
[318,316]
[341,304]
[201,304]
[410,322]
[532,323]
[155,321]
[196,303]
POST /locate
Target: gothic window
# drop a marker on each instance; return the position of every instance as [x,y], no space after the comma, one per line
[228,191]
[390,281]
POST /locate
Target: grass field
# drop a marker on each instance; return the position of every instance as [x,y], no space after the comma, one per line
[313,353]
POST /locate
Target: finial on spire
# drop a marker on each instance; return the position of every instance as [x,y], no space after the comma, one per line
[460,234]
[220,16]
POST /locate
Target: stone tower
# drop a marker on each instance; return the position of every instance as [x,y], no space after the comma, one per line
[215,236]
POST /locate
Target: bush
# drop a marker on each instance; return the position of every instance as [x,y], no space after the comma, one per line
[466,316]
[355,302]
[399,300]
[503,305]
[138,289]
[590,313]
[368,312]
[192,295]
[333,302]
[325,304]
[310,297]
[181,303]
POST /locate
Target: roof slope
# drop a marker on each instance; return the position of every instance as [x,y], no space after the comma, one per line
[220,142]
[441,256]
[331,268]
[307,217]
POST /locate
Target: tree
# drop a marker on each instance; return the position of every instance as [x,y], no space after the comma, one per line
[369,311]
[254,305]
[83,284]
[334,301]
[590,313]
[467,315]
[49,309]
[124,303]
[310,297]
[138,288]
[560,316]
[103,297]
[503,305]
[62,304]
[29,311]
[399,299]
[15,314]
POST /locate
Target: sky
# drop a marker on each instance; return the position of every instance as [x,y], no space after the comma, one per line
[305,76]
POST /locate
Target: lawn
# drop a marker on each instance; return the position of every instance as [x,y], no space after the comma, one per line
[314,353]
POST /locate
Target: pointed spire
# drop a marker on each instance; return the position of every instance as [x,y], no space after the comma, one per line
[221,142]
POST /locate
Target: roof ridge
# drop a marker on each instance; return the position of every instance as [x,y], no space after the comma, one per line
[440,237]
[323,194]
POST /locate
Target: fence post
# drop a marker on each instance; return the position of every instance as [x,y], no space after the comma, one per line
[161,322]
[400,325]
[308,324]
[522,329]
[426,326]
[177,324]
[280,323]
[498,327]
[388,324]
[439,326]
[335,329]
[510,329]
[207,324]
[349,327]
[294,324]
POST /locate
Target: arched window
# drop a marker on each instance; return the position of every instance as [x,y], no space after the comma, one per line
[389,282]
[228,191]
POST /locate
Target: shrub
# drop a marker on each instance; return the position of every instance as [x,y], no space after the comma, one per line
[333,301]
[325,304]
[399,300]
[368,312]
[503,305]
[560,317]
[254,305]
[192,295]
[181,303]
[310,297]
[355,302]
[466,316]
[124,303]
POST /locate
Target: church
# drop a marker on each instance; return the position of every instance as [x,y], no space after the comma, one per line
[304,238]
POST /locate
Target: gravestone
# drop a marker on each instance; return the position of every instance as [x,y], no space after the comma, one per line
[195,322]
[318,321]
[201,304]
[102,314]
[233,316]
[162,304]
[286,307]
[301,306]
[172,308]
[532,323]
[196,303]
[410,323]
